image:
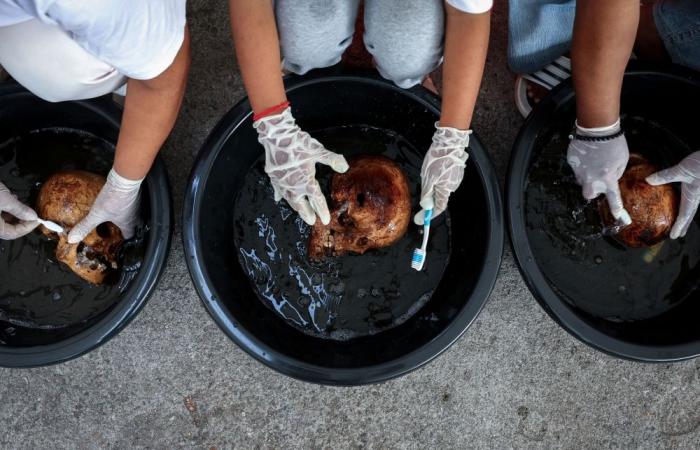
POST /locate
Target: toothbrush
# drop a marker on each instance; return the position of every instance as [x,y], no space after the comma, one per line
[419,253]
[51,225]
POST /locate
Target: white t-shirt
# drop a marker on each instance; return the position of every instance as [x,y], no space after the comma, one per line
[470,6]
[139,38]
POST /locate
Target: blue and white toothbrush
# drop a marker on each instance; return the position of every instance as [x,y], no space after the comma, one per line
[419,253]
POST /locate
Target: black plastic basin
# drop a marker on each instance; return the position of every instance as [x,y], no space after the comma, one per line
[639,304]
[227,293]
[81,124]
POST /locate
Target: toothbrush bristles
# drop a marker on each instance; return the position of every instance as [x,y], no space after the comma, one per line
[418,259]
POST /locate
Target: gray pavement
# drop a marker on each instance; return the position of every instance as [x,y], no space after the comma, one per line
[173,380]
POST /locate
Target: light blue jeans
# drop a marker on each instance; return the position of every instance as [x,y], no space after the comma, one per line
[539,31]
[678,24]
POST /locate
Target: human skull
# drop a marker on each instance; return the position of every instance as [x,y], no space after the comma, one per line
[370,209]
[66,198]
[653,209]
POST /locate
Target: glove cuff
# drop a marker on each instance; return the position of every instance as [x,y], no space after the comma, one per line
[452,137]
[121,183]
[273,120]
[598,134]
[271,111]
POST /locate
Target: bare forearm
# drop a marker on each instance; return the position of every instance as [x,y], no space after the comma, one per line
[257,50]
[466,45]
[604,34]
[150,110]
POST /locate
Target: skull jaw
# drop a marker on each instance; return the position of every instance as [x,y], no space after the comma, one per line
[95,258]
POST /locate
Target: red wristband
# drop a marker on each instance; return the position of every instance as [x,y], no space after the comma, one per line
[270,111]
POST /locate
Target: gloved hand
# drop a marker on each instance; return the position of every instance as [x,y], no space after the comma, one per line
[687,172]
[290,161]
[598,157]
[443,169]
[26,215]
[118,202]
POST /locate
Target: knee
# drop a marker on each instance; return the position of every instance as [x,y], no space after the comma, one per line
[521,64]
[56,89]
[406,42]
[300,58]
[532,60]
[314,34]
[407,65]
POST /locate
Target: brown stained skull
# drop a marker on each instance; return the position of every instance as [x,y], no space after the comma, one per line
[370,209]
[66,198]
[653,209]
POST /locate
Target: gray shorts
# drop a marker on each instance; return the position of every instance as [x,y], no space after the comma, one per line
[405,37]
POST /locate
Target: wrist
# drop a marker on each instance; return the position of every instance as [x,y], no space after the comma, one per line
[270,111]
[603,131]
[452,137]
[123,183]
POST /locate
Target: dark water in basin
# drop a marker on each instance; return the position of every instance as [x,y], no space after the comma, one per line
[41,300]
[343,297]
[588,268]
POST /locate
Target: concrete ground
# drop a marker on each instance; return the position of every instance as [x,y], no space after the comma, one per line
[172,379]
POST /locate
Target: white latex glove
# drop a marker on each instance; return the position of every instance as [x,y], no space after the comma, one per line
[118,202]
[598,157]
[443,169]
[290,161]
[687,172]
[26,215]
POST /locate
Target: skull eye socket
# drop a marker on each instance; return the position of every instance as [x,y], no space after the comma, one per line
[104,231]
[345,220]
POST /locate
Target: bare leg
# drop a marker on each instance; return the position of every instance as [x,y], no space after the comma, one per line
[604,34]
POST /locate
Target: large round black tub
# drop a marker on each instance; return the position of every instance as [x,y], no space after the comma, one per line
[48,314]
[634,303]
[247,254]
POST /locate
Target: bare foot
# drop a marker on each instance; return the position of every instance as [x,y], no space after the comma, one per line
[429,85]
[535,92]
[433,82]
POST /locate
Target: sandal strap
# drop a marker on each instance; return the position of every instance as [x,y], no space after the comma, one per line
[552,74]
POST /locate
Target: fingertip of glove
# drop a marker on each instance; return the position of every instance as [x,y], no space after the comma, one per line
[624,217]
[419,217]
[341,166]
[29,215]
[654,180]
[308,218]
[589,194]
[427,202]
[74,237]
[676,231]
